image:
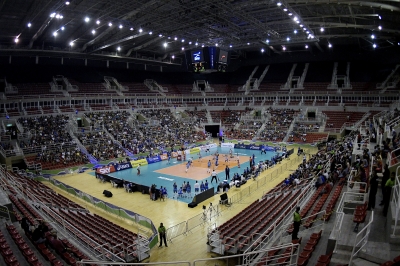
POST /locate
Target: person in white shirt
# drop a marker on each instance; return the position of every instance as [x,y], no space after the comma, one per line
[196,188]
[214,176]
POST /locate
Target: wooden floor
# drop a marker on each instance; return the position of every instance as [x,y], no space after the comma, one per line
[171,212]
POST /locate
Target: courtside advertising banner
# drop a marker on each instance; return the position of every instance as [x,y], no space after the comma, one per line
[164,156]
[122,166]
[227,145]
[105,170]
[153,159]
[208,146]
[137,162]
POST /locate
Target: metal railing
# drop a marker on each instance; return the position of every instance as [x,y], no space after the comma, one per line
[361,238]
[396,200]
[348,197]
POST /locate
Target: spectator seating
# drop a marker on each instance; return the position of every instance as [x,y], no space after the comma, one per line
[360,213]
[336,119]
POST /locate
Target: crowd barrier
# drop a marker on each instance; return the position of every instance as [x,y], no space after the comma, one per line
[110,208]
[264,178]
[186,226]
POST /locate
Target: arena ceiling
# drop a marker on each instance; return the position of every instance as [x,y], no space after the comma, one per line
[163,27]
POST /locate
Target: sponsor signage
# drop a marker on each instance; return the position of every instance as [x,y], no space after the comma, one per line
[164,156]
[122,166]
[227,145]
[105,169]
[153,159]
[254,147]
[208,146]
[174,154]
[137,162]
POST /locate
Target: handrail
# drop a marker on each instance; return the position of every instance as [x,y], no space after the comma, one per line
[396,199]
[363,239]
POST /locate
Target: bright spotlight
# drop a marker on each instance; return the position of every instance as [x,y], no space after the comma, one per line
[306,46]
[216,44]
[173,57]
[93,31]
[16,40]
[322,29]
[380,27]
[287,39]
[52,15]
[87,19]
[62,28]
[330,45]
[131,29]
[29,25]
[57,16]
[119,48]
[297,21]
[379,17]
[140,30]
[267,41]
[285,9]
[301,25]
[110,24]
[175,38]
[284,48]
[262,50]
[374,45]
[159,35]
[290,14]
[230,46]
[61,16]
[98,22]
[55,34]
[165,44]
[308,32]
[150,32]
[372,36]
[295,31]
[295,18]
[183,48]
[120,26]
[202,45]
[67,3]
[190,42]
[197,43]
[248,43]
[279,4]
[183,40]
[71,44]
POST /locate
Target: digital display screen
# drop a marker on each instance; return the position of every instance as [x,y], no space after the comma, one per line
[223,56]
[197,56]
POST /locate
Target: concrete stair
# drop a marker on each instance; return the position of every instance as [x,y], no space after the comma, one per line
[342,255]
[376,252]
[362,262]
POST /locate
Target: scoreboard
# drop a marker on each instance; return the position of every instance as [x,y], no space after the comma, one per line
[207,60]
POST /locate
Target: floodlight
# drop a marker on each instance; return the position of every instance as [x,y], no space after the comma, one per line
[98,22]
[87,19]
[29,25]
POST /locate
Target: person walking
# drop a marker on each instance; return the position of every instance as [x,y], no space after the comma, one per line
[296,223]
[162,233]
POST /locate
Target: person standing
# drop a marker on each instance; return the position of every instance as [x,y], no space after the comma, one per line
[209,166]
[196,188]
[175,189]
[138,170]
[214,176]
[296,223]
[227,170]
[388,192]
[373,189]
[385,178]
[162,233]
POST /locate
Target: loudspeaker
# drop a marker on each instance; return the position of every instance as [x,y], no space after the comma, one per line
[223,197]
[192,204]
[107,193]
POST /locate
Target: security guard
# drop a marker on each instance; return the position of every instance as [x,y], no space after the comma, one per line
[296,223]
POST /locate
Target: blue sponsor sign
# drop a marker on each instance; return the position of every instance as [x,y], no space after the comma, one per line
[254,147]
[153,159]
[122,166]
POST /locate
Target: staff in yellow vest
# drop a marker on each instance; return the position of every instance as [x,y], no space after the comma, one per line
[388,192]
[296,223]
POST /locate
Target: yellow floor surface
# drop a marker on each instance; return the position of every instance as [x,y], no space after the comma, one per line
[171,212]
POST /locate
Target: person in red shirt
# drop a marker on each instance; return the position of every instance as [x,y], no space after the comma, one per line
[58,245]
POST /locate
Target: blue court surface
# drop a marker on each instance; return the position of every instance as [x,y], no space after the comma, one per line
[149,175]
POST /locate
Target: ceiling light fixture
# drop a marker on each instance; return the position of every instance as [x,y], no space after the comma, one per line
[262,50]
[380,27]
[29,25]
[16,40]
[131,29]
[322,29]
[93,31]
[165,44]
[330,45]
[119,48]
[285,9]
[284,48]
[67,3]
[140,30]
[290,14]
[288,39]
[230,45]
[159,35]
[150,32]
[175,38]
[52,15]
[372,36]
[173,56]
[71,44]
[190,42]
[98,22]
[120,26]
[374,45]
[306,46]
[87,19]
[183,48]
[55,34]
[279,4]
[110,24]
[295,31]
[62,28]
[183,40]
